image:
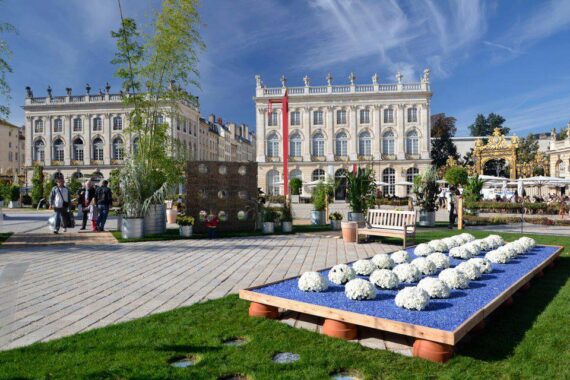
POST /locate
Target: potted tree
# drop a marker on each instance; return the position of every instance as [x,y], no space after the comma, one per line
[14,191]
[269,217]
[425,190]
[456,176]
[472,194]
[336,220]
[286,218]
[295,184]
[361,193]
[320,199]
[185,224]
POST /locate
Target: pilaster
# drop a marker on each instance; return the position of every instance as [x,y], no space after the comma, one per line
[400,143]
[29,143]
[376,142]
[329,141]
[261,137]
[353,128]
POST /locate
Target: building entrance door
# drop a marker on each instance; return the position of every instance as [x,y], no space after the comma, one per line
[340,185]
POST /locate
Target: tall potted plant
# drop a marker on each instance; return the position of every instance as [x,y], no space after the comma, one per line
[286,218]
[425,190]
[269,218]
[295,184]
[320,199]
[14,192]
[361,193]
[472,193]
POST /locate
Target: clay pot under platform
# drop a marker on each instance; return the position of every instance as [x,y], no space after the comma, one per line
[338,329]
[432,351]
[263,311]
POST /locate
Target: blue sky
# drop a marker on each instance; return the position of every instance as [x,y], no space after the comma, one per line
[509,57]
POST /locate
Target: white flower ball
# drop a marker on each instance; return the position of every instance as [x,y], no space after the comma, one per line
[437,246]
[441,260]
[496,240]
[412,298]
[519,247]
[458,240]
[400,257]
[470,270]
[482,244]
[434,287]
[363,267]
[484,265]
[509,250]
[312,282]
[422,250]
[529,242]
[424,265]
[383,261]
[449,242]
[497,256]
[360,289]
[472,248]
[454,278]
[460,253]
[467,237]
[407,272]
[385,279]
[341,274]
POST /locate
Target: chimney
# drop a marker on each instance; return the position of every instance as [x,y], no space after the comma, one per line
[212,118]
[220,121]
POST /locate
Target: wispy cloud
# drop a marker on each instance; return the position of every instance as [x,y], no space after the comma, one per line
[499,46]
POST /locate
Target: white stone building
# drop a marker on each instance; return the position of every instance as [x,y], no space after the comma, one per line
[11,149]
[333,127]
[226,142]
[559,155]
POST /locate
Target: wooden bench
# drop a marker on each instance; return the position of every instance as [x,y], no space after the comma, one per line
[390,223]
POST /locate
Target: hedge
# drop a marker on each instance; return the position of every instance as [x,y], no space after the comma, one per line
[491,206]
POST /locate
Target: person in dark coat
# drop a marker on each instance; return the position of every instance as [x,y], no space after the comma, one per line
[84,197]
[104,199]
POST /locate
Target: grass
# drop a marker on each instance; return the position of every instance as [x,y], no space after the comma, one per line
[4,236]
[529,340]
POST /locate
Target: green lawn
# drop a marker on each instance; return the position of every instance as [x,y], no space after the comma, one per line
[4,236]
[529,340]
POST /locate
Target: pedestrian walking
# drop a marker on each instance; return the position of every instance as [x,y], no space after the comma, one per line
[104,199]
[84,197]
[93,213]
[59,202]
[451,197]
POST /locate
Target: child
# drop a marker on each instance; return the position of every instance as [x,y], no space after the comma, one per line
[211,225]
[93,213]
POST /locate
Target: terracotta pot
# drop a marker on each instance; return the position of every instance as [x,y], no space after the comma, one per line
[171,216]
[264,311]
[432,351]
[349,231]
[338,329]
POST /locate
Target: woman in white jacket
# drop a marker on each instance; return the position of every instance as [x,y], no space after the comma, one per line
[59,202]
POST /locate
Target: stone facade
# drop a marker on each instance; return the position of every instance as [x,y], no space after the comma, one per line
[559,155]
[333,127]
[226,142]
[12,149]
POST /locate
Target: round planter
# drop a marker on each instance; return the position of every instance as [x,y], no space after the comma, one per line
[338,329]
[264,311]
[335,224]
[185,231]
[155,220]
[318,217]
[171,216]
[14,204]
[268,227]
[295,198]
[286,227]
[132,228]
[356,217]
[427,218]
[432,351]
[349,231]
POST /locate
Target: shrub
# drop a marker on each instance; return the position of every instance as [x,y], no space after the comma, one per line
[425,189]
[295,185]
[472,190]
[14,193]
[270,215]
[37,185]
[335,216]
[361,189]
[319,196]
[456,176]
[286,213]
[183,220]
[276,199]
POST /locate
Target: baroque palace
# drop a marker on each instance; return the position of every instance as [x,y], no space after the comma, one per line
[333,127]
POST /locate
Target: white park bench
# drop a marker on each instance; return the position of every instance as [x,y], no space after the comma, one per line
[390,223]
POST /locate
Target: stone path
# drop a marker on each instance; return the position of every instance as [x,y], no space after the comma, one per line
[47,292]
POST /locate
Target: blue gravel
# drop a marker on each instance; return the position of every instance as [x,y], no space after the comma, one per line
[444,314]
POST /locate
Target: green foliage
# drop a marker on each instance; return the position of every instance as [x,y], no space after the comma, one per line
[528,147]
[295,185]
[115,186]
[49,183]
[442,147]
[335,216]
[5,68]
[484,126]
[14,193]
[472,190]
[321,193]
[286,213]
[538,170]
[37,184]
[425,190]
[74,185]
[361,189]
[183,220]
[456,176]
[270,215]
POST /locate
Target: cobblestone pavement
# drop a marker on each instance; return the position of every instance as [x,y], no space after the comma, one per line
[48,292]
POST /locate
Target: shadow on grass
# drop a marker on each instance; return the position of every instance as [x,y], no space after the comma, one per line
[507,327]
[187,349]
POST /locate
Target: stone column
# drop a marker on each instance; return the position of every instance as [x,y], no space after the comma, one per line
[329,142]
[261,138]
[49,148]
[353,130]
[87,141]
[400,143]
[107,139]
[307,130]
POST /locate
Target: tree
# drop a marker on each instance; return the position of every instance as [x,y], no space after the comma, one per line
[37,184]
[5,69]
[528,147]
[467,159]
[74,185]
[442,147]
[361,189]
[484,126]
[456,176]
[425,189]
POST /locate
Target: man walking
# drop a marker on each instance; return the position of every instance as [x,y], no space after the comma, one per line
[59,202]
[85,195]
[104,199]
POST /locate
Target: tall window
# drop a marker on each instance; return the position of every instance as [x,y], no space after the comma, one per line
[318,143]
[364,116]
[58,149]
[388,143]
[388,115]
[273,182]
[364,144]
[273,145]
[410,174]
[295,118]
[341,117]
[39,126]
[39,151]
[295,145]
[117,123]
[78,149]
[389,176]
[272,121]
[318,175]
[77,125]
[412,115]
[412,143]
[118,149]
[295,173]
[98,149]
[58,126]
[318,118]
[341,144]
[97,124]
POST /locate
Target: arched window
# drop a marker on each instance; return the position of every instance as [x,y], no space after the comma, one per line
[39,151]
[412,143]
[273,182]
[98,149]
[341,144]
[78,149]
[340,184]
[389,176]
[273,145]
[295,145]
[388,143]
[410,174]
[117,123]
[364,144]
[77,124]
[39,126]
[97,124]
[295,173]
[58,126]
[58,149]
[118,149]
[318,145]
[318,175]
